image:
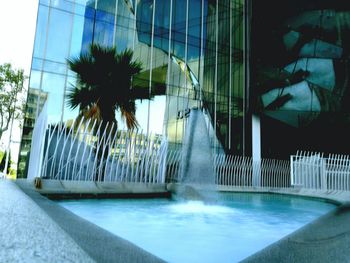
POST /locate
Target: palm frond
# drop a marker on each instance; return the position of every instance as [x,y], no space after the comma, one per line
[81,97]
[104,84]
[84,67]
[128,111]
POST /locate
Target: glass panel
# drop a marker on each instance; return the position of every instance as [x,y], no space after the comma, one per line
[298,79]
[194,29]
[68,113]
[44,2]
[77,35]
[65,5]
[40,35]
[59,36]
[144,21]
[88,29]
[37,64]
[55,67]
[157,110]
[104,27]
[53,85]
[34,82]
[179,28]
[108,6]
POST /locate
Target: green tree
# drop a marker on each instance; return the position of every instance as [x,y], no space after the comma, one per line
[104,85]
[2,163]
[11,88]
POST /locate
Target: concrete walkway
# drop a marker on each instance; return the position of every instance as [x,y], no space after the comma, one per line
[28,234]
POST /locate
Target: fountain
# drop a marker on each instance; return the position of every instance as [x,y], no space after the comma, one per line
[197,157]
[197,170]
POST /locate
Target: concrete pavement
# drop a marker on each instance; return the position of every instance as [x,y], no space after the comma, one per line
[28,234]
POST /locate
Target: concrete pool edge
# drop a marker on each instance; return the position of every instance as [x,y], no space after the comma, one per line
[337,198]
[86,189]
[28,233]
[99,244]
[282,250]
[59,187]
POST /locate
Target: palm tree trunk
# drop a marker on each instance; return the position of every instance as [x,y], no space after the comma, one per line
[102,148]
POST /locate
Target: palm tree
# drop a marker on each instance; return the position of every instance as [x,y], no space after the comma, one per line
[104,85]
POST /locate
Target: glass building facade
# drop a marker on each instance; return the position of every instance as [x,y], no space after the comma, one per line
[300,70]
[286,62]
[191,51]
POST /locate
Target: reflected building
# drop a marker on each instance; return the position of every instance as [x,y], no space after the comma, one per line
[191,51]
[35,102]
[237,60]
[300,75]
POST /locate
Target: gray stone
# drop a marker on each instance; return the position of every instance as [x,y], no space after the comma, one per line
[58,187]
[28,234]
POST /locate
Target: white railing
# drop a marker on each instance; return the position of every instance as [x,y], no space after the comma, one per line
[231,170]
[238,171]
[313,170]
[89,151]
[173,167]
[37,148]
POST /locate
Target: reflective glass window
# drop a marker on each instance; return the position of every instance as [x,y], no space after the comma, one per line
[59,35]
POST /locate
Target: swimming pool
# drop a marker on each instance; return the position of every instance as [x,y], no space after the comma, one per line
[230,230]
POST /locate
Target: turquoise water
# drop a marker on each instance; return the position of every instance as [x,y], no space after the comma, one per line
[192,231]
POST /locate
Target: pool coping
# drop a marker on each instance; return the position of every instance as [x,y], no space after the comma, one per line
[291,248]
[28,234]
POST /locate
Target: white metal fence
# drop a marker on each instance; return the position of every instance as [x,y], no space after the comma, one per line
[96,152]
[313,170]
[231,170]
[239,171]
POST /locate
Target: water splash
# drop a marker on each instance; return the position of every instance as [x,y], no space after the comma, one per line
[199,207]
